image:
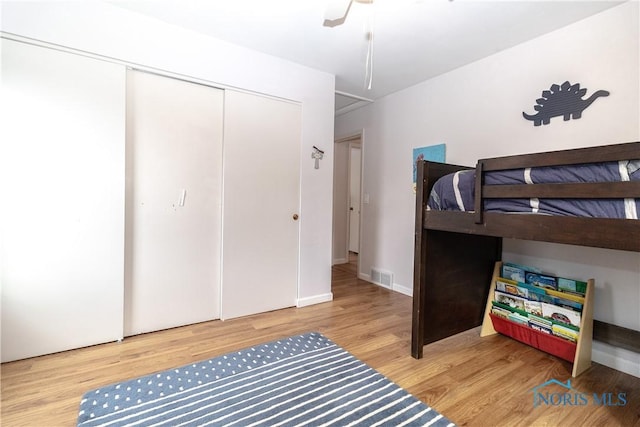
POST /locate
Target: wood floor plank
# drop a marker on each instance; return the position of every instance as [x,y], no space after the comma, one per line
[473,381]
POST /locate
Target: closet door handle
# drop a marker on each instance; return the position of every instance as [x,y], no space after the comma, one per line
[295,217]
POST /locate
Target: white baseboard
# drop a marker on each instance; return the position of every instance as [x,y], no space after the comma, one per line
[397,288]
[316,299]
[616,358]
[367,278]
[339,261]
[403,289]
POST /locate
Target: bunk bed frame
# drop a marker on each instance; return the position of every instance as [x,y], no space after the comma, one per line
[455,252]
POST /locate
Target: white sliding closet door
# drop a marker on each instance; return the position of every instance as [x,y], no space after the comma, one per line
[174,184]
[261,197]
[62,219]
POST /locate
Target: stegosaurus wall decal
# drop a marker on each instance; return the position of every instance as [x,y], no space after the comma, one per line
[562,100]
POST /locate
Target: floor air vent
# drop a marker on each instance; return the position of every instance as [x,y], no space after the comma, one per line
[381,277]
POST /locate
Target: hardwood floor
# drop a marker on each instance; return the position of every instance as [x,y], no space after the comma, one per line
[473,381]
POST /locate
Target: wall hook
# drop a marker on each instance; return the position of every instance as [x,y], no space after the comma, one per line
[317,155]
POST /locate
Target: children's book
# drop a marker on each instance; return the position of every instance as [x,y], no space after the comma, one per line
[540,328]
[561,315]
[576,287]
[520,289]
[516,272]
[533,307]
[541,281]
[512,301]
[565,332]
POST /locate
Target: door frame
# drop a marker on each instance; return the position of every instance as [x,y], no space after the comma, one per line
[357,138]
[352,145]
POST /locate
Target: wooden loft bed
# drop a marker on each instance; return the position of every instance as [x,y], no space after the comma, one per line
[455,251]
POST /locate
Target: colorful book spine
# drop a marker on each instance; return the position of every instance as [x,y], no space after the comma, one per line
[564,332]
[564,295]
[534,276]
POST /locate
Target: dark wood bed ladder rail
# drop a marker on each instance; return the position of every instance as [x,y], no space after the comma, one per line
[576,156]
[478,196]
[578,190]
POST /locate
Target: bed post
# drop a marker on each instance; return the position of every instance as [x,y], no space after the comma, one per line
[478,192]
[422,197]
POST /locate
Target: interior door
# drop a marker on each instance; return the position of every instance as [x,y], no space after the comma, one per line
[261,204]
[355,156]
[62,218]
[174,190]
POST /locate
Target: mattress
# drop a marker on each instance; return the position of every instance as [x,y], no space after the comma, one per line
[456,191]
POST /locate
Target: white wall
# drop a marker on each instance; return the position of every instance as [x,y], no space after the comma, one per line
[106,30]
[477,111]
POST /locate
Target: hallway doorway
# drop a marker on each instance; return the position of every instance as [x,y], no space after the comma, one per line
[346,272]
[347,203]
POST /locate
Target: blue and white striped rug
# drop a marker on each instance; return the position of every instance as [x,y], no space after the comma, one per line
[305,380]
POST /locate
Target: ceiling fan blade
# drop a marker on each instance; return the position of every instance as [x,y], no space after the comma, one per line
[336,12]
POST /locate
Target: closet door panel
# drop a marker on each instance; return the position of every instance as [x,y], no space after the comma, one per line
[174,178]
[261,198]
[62,187]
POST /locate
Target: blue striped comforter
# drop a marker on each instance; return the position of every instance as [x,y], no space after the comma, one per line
[456,191]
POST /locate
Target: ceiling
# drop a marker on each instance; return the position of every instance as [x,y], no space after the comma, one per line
[412,40]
